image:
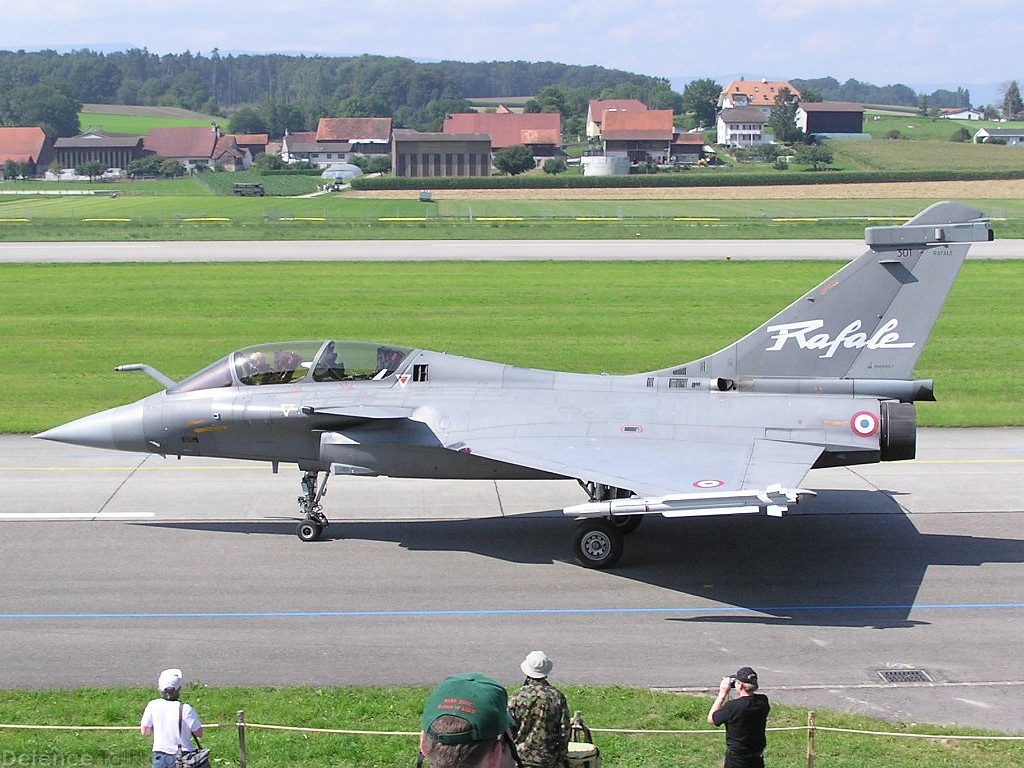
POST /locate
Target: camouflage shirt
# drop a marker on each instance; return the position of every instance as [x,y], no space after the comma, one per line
[542,724]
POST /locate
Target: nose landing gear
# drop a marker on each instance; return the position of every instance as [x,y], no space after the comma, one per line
[313,520]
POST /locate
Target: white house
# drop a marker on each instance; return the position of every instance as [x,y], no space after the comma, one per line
[1013,137]
[958,113]
[743,127]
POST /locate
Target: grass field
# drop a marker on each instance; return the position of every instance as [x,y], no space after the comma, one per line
[398,710]
[192,213]
[898,155]
[615,317]
[136,121]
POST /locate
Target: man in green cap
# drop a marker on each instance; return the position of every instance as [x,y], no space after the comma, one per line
[466,724]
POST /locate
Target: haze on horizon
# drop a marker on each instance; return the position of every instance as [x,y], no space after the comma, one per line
[915,42]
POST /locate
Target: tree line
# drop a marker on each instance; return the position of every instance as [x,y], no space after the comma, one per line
[273,92]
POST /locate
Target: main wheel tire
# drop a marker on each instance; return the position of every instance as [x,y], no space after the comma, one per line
[597,544]
[309,530]
[627,523]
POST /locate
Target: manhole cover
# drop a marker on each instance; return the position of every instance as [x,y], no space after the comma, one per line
[904,676]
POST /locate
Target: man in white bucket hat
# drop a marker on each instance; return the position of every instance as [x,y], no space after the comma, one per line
[541,714]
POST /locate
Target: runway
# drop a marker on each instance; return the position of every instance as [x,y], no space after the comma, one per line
[116,565]
[462,250]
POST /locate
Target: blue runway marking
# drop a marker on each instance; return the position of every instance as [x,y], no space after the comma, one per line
[514,612]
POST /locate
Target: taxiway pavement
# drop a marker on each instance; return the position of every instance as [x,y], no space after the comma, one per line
[461,250]
[116,565]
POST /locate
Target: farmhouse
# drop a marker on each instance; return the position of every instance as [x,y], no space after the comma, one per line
[642,136]
[192,147]
[541,132]
[26,145]
[598,107]
[743,127]
[754,93]
[961,113]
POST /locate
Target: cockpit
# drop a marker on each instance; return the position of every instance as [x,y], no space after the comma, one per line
[299,361]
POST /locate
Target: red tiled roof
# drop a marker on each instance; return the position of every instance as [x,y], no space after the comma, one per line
[598,107]
[688,139]
[508,129]
[21,145]
[252,138]
[354,129]
[759,92]
[228,146]
[182,142]
[649,124]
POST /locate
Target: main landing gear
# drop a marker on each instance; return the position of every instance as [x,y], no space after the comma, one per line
[598,541]
[313,520]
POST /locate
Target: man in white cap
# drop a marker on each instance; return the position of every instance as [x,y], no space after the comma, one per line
[541,713]
[172,723]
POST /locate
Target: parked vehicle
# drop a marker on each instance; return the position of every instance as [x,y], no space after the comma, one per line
[249,189]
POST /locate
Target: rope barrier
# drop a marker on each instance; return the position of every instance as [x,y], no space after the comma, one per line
[22,727]
[624,731]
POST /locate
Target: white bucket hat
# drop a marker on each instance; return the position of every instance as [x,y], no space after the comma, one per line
[536,665]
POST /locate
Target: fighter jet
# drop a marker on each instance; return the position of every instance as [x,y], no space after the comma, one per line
[826,382]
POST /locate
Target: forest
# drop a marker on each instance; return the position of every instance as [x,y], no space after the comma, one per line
[274,92]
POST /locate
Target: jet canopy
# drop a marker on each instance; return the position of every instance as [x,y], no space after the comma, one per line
[291,362]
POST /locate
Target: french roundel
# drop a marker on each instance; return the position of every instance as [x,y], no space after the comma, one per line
[864,424]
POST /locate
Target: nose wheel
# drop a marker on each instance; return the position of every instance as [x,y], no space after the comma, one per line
[313,520]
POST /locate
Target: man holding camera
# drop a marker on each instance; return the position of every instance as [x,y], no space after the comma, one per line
[745,719]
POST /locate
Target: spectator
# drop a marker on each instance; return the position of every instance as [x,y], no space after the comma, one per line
[466,725]
[745,719]
[171,722]
[541,713]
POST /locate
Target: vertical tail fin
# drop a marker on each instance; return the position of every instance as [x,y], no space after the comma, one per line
[870,319]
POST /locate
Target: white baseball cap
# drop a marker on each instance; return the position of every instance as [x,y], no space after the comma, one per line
[169,678]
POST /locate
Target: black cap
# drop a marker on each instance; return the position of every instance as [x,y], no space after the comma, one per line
[745,675]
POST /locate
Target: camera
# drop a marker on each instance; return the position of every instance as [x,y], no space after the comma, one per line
[732,682]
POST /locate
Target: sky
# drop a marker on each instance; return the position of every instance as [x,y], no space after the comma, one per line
[926,44]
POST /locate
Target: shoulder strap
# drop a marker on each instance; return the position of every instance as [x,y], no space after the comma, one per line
[181,706]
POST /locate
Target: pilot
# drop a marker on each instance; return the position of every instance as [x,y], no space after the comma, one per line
[330,368]
[287,364]
[255,369]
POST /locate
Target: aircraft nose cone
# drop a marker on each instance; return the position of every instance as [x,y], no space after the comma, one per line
[118,429]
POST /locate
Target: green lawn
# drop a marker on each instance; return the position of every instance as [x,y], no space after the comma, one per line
[139,124]
[615,317]
[187,211]
[398,710]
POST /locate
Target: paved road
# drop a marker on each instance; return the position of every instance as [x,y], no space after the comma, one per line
[114,565]
[463,250]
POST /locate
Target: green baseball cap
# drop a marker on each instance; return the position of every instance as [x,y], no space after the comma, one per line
[474,697]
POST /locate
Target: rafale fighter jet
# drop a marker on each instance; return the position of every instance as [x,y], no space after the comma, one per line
[827,382]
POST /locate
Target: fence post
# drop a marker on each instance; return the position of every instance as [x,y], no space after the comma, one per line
[810,739]
[243,752]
